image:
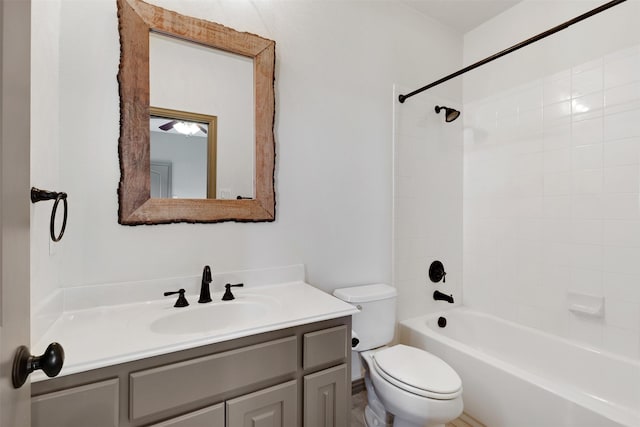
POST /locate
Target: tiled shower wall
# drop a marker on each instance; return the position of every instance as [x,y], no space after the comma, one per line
[552,201]
[427,203]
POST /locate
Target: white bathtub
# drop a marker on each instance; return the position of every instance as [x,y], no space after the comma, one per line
[514,376]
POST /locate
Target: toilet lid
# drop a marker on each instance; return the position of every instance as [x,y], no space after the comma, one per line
[417,371]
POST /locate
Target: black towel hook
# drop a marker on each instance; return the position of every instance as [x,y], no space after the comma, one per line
[38,195]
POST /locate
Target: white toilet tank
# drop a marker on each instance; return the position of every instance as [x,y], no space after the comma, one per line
[374,326]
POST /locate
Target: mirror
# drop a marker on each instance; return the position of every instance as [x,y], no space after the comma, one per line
[186,76]
[137,20]
[183,154]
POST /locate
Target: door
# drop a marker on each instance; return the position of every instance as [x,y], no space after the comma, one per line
[15,30]
[326,402]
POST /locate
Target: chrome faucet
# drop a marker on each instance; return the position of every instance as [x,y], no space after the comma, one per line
[205,292]
[439,296]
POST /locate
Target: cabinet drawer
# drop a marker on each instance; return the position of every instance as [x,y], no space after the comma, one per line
[72,407]
[206,377]
[213,416]
[325,346]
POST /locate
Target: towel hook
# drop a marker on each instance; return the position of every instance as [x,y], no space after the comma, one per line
[38,195]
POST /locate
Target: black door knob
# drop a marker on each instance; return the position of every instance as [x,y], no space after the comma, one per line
[24,363]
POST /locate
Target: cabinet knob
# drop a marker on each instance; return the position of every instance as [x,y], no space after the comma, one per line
[24,363]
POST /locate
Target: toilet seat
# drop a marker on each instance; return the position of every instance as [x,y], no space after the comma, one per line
[418,372]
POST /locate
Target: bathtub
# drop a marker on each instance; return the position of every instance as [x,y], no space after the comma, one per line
[515,376]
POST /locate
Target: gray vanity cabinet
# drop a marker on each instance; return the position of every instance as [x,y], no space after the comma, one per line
[292,377]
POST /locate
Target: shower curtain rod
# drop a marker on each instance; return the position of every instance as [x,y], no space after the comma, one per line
[515,47]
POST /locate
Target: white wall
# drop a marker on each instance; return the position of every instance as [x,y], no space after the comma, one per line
[45,131]
[336,66]
[551,152]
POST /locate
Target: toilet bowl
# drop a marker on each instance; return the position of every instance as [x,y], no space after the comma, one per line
[419,389]
[406,386]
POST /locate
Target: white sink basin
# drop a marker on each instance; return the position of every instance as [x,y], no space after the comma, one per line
[210,317]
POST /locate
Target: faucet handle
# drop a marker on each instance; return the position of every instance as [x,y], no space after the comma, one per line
[228,296]
[182,301]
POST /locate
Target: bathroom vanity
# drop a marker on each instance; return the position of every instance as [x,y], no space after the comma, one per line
[290,367]
[290,377]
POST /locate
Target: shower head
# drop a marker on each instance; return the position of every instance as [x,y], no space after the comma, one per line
[450,115]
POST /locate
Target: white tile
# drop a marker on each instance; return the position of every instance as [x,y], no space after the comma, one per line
[619,259]
[554,112]
[587,257]
[558,231]
[556,161]
[556,207]
[529,122]
[621,341]
[622,179]
[586,231]
[530,185]
[530,163]
[557,136]
[621,206]
[587,156]
[586,132]
[557,254]
[586,329]
[622,125]
[625,287]
[587,81]
[622,314]
[587,181]
[621,233]
[531,229]
[557,87]
[586,281]
[557,184]
[587,206]
[587,106]
[530,207]
[622,97]
[622,152]
[622,70]
[532,317]
[529,97]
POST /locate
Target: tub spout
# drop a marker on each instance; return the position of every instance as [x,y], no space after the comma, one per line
[439,296]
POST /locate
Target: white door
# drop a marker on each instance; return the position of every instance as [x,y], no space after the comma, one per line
[15,31]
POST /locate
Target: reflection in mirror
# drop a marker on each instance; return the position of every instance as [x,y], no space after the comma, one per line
[137,20]
[191,77]
[183,154]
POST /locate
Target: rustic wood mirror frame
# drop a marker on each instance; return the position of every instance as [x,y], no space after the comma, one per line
[136,19]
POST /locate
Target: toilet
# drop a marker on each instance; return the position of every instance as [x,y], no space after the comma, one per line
[406,386]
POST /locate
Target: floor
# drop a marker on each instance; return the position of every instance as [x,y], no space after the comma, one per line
[359,401]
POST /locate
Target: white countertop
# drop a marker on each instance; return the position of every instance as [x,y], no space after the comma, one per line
[103,336]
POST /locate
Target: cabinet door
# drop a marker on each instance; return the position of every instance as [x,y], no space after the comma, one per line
[74,407]
[326,398]
[272,407]
[213,416]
